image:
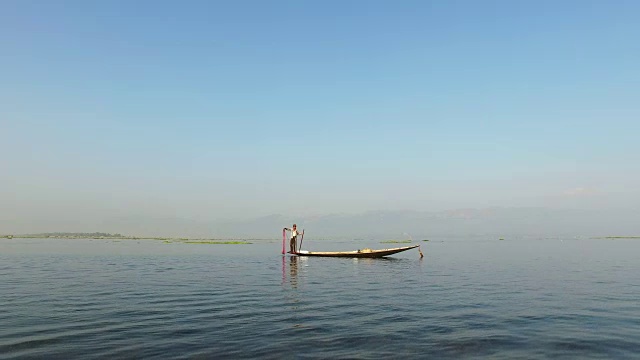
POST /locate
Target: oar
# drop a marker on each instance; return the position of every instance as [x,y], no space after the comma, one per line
[301,238]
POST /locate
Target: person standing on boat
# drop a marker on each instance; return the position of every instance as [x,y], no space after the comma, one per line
[293,239]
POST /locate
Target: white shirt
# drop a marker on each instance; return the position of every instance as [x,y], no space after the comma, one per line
[294,233]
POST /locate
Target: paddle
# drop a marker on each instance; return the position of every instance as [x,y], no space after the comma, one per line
[301,238]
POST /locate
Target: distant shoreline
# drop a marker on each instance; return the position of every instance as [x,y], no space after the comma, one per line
[132,238]
[617,237]
[107,236]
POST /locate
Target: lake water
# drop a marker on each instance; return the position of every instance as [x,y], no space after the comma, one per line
[475,298]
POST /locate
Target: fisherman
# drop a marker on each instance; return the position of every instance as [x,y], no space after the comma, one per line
[293,240]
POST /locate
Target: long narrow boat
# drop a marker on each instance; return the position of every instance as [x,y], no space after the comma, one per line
[363,253]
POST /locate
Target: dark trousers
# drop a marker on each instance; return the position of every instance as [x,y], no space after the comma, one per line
[292,244]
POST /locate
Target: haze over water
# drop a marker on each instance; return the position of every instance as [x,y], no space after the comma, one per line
[469,297]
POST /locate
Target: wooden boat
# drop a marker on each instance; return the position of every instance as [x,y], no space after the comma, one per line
[363,253]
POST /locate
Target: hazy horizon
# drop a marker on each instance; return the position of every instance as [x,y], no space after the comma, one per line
[513,223]
[203,111]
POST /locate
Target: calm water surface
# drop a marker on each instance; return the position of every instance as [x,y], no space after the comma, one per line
[537,298]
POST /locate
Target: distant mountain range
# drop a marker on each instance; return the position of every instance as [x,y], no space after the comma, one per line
[400,224]
[415,225]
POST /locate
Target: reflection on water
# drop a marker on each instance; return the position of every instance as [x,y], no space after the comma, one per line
[290,271]
[293,271]
[292,295]
[370,261]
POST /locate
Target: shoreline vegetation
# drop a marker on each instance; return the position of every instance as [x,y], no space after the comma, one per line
[108,236]
[618,237]
[166,239]
[189,240]
[216,242]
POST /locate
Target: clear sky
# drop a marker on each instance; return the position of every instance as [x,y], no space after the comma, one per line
[206,109]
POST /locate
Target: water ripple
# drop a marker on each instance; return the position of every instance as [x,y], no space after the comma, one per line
[257,305]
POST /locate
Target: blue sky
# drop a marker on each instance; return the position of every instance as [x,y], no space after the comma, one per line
[244,108]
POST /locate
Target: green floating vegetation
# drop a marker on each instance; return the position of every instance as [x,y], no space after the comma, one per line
[621,237]
[501,239]
[218,242]
[425,240]
[396,242]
